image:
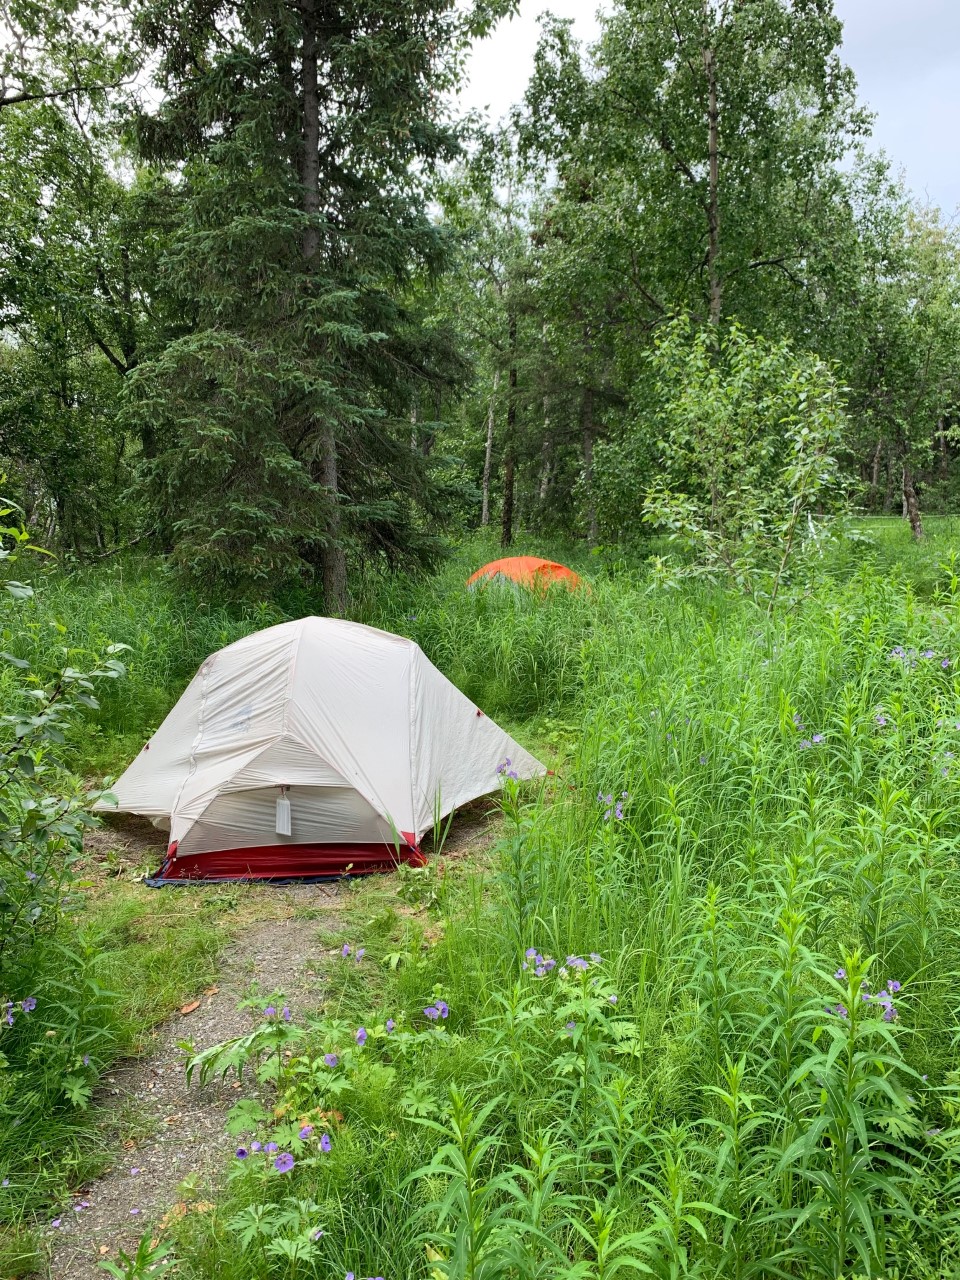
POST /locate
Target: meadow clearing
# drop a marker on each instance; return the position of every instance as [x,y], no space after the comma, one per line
[693,1013]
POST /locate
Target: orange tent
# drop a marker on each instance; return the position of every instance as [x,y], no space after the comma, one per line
[527,571]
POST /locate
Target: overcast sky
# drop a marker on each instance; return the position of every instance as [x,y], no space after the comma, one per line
[906,55]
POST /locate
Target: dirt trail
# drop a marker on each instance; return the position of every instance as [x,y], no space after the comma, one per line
[187,1124]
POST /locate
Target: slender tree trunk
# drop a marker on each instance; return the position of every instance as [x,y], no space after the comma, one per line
[586,426]
[546,453]
[875,473]
[713,198]
[488,456]
[944,453]
[332,556]
[911,504]
[509,460]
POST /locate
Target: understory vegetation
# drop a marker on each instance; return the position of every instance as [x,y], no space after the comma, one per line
[694,1014]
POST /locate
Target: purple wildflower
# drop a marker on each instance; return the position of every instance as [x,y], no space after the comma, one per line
[540,971]
[270,1148]
[613,999]
[56,1222]
[348,1276]
[577,962]
[432,1013]
[595,958]
[86,1059]
[345,950]
[6,1181]
[361,952]
[571,1026]
[817,739]
[840,1010]
[242,1153]
[841,975]
[927,653]
[390,1024]
[361,1036]
[703,757]
[531,953]
[945,663]
[881,720]
[8,1016]
[283,1162]
[893,986]
[805,744]
[618,810]
[443,1008]
[331,1059]
[256,1146]
[29,1004]
[31,875]
[286,1014]
[306,1131]
[270,1011]
[134,1212]
[325,1143]
[134,1172]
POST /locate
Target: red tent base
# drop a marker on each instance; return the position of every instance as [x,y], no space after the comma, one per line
[286,862]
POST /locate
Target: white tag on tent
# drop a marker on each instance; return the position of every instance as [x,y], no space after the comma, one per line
[283,816]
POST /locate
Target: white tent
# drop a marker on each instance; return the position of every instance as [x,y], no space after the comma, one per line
[309,748]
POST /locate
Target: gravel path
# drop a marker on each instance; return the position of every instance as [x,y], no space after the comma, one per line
[187,1125]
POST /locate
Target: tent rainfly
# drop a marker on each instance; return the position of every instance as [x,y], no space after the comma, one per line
[526,571]
[310,749]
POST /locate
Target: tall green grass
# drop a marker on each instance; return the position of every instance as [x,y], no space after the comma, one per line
[758,1073]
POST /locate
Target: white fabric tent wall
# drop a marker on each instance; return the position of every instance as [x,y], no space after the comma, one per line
[369,737]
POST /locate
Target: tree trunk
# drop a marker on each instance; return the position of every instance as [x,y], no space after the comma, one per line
[875,473]
[713,197]
[586,426]
[911,505]
[546,453]
[509,462]
[488,456]
[332,556]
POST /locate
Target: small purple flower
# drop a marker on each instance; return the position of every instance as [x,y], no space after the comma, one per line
[817,739]
[703,757]
[595,958]
[361,952]
[256,1146]
[325,1143]
[893,986]
[443,1008]
[945,663]
[331,1059]
[613,999]
[306,1131]
[283,1162]
[548,963]
[618,811]
[840,1010]
[29,1004]
[242,1153]
[927,653]
[390,1024]
[841,975]
[881,720]
[6,1181]
[134,1212]
[805,744]
[571,1026]
[345,950]
[318,1233]
[31,876]
[577,962]
[348,1276]
[361,1036]
[531,953]
[286,1014]
[890,1014]
[270,1148]
[432,1013]
[540,971]
[270,1011]
[8,1016]
[56,1222]
[86,1059]
[134,1172]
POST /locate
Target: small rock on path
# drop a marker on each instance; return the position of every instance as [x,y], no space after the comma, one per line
[188,1123]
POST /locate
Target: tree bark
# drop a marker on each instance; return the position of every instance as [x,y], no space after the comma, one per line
[509,461]
[546,453]
[488,455]
[713,197]
[586,426]
[333,559]
[911,504]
